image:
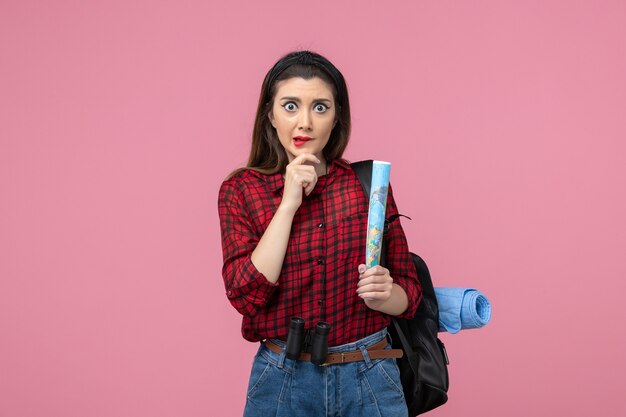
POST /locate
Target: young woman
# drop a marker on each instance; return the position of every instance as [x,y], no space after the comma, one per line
[293,225]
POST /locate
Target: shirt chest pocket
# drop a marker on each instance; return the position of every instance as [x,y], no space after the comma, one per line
[352,234]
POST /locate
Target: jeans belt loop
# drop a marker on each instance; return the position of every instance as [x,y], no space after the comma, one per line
[366,357]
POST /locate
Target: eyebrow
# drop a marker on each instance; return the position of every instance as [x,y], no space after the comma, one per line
[297,100]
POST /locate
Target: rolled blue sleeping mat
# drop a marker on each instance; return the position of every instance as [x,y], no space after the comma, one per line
[462,308]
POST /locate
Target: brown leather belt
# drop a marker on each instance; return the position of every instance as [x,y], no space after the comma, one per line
[376,351]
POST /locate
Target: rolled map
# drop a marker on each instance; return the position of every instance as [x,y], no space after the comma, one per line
[376,214]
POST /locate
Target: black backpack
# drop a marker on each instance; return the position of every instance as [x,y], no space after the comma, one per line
[423,367]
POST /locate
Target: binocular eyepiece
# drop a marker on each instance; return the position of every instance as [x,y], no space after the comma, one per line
[295,338]
[299,340]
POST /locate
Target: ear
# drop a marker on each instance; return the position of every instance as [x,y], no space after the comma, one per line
[270,116]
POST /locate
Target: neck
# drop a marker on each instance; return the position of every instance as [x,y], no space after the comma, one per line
[322,168]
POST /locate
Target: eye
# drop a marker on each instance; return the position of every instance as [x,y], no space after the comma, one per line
[290,106]
[320,107]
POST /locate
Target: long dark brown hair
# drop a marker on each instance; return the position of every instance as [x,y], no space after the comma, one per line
[267,155]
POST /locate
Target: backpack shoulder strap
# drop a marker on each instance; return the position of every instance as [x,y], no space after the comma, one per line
[363,170]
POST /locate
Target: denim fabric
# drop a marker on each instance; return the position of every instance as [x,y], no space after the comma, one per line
[283,387]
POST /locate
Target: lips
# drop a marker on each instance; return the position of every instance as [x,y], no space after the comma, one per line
[301,140]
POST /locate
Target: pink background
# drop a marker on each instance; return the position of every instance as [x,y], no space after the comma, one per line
[504,122]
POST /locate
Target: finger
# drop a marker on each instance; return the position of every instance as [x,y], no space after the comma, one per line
[308,188]
[375,287]
[309,180]
[375,279]
[301,175]
[379,270]
[299,169]
[370,296]
[375,270]
[309,184]
[305,157]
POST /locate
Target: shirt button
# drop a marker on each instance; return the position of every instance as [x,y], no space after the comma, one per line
[320,261]
[320,225]
[230,293]
[320,302]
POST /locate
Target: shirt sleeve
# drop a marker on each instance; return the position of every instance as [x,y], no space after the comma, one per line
[247,289]
[399,261]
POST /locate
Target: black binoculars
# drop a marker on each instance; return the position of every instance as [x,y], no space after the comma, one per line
[300,340]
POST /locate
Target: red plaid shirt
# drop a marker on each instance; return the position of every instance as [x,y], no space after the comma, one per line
[318,280]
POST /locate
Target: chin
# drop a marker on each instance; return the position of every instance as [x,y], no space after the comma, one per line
[294,153]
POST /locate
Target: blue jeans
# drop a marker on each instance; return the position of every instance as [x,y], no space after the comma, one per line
[281,387]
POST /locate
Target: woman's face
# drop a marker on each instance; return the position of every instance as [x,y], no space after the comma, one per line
[303,115]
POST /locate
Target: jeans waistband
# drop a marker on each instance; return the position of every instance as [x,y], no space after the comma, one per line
[365,342]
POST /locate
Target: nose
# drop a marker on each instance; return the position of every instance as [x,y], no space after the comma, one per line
[305,122]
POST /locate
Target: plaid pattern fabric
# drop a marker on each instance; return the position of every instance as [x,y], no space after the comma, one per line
[319,276]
